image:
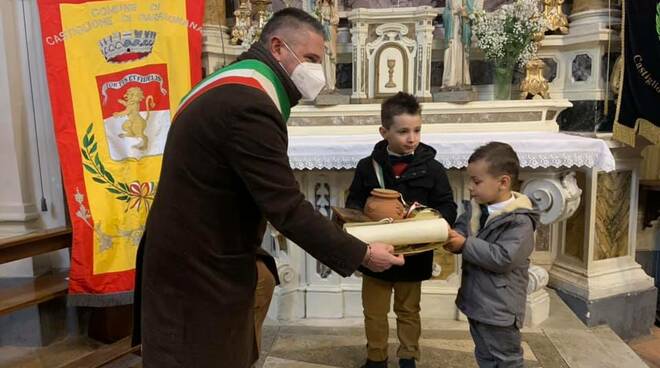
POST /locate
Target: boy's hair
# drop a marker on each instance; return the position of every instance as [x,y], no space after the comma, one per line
[399,104]
[289,19]
[501,160]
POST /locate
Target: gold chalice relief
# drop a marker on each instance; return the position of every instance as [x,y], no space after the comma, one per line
[390,66]
[135,124]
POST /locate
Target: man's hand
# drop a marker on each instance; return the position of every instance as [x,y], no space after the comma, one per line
[455,242]
[379,257]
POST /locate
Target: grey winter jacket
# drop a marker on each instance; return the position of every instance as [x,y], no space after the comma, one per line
[495,262]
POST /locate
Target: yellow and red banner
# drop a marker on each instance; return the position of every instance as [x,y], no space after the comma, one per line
[116,72]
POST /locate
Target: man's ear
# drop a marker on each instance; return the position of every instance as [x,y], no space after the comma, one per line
[275,45]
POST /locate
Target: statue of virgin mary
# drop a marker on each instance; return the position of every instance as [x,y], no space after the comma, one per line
[458,39]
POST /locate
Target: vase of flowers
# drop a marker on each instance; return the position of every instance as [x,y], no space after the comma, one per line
[506,37]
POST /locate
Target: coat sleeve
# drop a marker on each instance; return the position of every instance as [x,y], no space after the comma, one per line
[512,248]
[442,197]
[257,152]
[462,223]
[357,193]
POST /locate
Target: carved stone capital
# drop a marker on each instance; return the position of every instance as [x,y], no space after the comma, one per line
[287,275]
[538,278]
[556,196]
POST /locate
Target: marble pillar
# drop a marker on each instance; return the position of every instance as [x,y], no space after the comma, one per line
[18,206]
[586,5]
[595,272]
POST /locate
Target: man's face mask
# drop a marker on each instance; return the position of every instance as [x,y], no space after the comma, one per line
[308,77]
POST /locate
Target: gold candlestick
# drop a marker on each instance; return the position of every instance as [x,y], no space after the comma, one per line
[535,83]
[243,22]
[262,16]
[555,16]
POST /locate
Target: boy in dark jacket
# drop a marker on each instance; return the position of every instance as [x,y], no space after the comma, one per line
[495,234]
[407,166]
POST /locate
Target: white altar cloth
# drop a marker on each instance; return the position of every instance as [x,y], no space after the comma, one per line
[535,149]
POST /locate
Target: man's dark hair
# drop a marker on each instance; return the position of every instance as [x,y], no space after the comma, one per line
[399,104]
[291,18]
[501,160]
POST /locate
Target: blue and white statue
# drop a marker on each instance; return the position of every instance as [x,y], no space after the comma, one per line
[458,39]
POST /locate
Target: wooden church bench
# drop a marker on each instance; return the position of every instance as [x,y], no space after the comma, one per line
[104,355]
[20,292]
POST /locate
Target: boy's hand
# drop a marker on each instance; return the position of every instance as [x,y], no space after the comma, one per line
[455,242]
[379,257]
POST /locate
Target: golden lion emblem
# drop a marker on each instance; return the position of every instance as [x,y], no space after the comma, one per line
[135,124]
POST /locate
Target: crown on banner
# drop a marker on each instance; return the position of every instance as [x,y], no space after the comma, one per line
[127,46]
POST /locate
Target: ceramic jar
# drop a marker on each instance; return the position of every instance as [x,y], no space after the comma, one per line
[384,203]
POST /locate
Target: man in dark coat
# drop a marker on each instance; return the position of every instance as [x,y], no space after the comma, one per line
[225,172]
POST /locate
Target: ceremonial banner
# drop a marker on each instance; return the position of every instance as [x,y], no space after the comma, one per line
[116,72]
[639,95]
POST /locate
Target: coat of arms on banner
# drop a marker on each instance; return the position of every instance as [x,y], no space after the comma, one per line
[136,111]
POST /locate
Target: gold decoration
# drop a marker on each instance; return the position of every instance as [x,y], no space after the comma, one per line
[243,23]
[390,66]
[135,125]
[643,128]
[554,15]
[262,16]
[535,83]
[612,214]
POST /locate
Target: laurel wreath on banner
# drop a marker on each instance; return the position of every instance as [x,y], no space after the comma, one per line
[137,195]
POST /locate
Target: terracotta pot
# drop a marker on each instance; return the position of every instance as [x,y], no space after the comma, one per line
[384,203]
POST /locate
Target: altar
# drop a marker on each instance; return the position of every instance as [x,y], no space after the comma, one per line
[584,183]
[559,171]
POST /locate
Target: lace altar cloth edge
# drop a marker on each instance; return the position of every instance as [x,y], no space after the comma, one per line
[535,149]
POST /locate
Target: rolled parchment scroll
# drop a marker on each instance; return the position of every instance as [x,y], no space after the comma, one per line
[407,236]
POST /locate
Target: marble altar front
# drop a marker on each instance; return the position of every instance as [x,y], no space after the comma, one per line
[326,143]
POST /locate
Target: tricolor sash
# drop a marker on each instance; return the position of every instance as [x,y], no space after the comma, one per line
[250,73]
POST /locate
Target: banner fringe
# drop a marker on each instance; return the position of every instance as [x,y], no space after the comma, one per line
[100,300]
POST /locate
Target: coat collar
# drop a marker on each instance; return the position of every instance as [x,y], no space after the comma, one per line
[520,204]
[423,153]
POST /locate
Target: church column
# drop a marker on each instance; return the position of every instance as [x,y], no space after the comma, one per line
[18,208]
[216,37]
[424,35]
[26,133]
[585,13]
[595,271]
[359,40]
[28,152]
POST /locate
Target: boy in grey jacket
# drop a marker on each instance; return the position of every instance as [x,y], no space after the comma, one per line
[495,235]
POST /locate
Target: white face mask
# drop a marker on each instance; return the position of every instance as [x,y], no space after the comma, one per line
[308,77]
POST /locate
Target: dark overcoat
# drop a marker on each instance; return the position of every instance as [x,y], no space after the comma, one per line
[225,172]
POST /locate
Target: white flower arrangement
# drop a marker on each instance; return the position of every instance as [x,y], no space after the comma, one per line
[506,34]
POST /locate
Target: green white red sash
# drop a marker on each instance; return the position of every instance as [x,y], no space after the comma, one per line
[251,73]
